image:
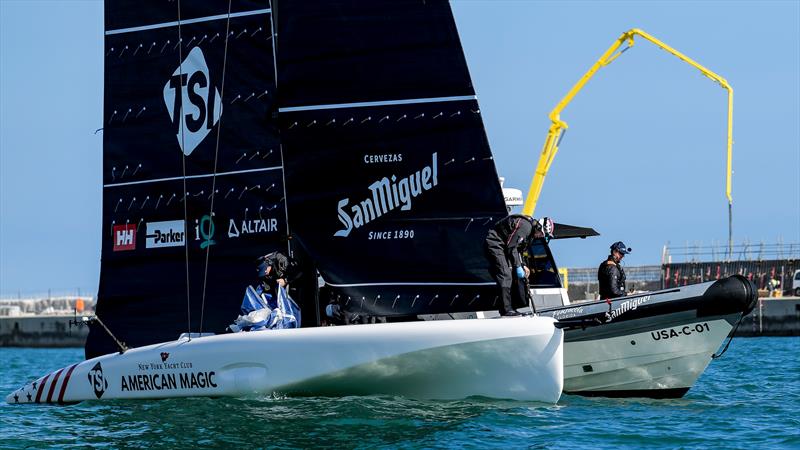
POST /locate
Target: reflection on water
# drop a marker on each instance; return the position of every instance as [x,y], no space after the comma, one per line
[746,399]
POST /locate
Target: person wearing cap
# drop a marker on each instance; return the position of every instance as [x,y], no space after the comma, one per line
[275,269]
[611,275]
[504,245]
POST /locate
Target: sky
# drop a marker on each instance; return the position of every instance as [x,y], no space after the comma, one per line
[643,160]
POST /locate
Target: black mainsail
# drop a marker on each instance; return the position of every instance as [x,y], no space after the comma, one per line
[391,183]
[365,109]
[189,94]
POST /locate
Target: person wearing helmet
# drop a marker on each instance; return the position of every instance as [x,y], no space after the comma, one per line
[504,245]
[275,269]
[610,274]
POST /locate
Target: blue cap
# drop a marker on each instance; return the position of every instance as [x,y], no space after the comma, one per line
[620,247]
[262,268]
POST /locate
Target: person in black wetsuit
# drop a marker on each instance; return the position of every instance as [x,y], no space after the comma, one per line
[610,275]
[504,245]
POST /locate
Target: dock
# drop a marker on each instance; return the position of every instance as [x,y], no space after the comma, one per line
[43,322]
[772,317]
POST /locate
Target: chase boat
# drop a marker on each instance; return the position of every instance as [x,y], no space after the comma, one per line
[652,344]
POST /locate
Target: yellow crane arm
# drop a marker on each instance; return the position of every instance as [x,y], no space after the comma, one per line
[558,127]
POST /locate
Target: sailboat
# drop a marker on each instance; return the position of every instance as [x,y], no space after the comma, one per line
[346,134]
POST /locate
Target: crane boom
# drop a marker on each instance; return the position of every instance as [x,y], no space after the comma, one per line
[559,127]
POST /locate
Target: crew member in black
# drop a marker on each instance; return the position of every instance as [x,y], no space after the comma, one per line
[506,241]
[276,269]
[610,274]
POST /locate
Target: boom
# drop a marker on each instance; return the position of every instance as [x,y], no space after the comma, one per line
[559,127]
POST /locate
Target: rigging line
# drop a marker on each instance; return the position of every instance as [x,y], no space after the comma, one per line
[730,338]
[183,163]
[216,155]
[280,143]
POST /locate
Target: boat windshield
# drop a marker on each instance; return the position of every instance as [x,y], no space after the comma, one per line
[544,273]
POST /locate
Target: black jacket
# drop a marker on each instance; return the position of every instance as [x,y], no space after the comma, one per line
[282,267]
[512,234]
[611,278]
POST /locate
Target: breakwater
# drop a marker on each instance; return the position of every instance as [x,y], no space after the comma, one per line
[41,331]
[772,317]
[43,322]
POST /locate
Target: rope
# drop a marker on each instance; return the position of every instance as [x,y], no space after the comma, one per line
[216,155]
[730,338]
[183,162]
[280,143]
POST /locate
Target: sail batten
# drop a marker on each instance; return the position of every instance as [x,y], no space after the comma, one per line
[409,101]
[187,21]
[412,283]
[218,174]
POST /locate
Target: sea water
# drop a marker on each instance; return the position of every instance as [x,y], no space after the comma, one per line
[750,398]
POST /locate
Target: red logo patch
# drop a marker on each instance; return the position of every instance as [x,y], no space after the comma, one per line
[124,237]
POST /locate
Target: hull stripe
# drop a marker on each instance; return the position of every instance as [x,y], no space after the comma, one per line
[41,388]
[64,384]
[53,386]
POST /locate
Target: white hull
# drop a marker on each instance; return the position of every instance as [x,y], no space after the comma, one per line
[519,358]
[661,363]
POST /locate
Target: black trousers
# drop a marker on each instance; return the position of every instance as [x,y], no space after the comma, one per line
[510,290]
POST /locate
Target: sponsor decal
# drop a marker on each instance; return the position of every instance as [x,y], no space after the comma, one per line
[165,234]
[165,375]
[391,234]
[97,380]
[168,381]
[251,226]
[627,305]
[568,313]
[124,237]
[385,158]
[387,194]
[687,330]
[164,365]
[204,231]
[194,105]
